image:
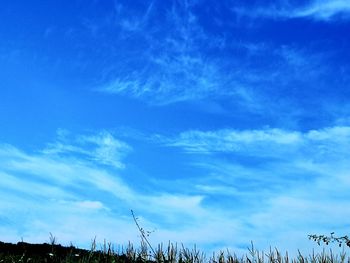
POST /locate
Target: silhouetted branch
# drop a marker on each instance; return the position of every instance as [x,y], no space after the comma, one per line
[330,239]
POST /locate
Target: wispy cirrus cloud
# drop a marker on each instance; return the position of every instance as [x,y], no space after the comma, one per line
[77,197]
[189,76]
[232,141]
[276,176]
[103,148]
[177,64]
[327,10]
[64,191]
[240,161]
[131,21]
[324,10]
[267,142]
[183,78]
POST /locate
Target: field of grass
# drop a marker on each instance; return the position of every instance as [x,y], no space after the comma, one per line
[171,253]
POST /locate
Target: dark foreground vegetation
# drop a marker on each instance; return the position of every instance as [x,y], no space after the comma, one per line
[35,253]
[25,252]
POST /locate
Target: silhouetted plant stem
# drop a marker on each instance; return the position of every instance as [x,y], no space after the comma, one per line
[142,231]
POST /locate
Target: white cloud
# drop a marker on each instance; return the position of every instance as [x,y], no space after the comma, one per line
[182,72]
[129,21]
[227,204]
[174,67]
[183,61]
[301,190]
[103,148]
[109,150]
[323,143]
[251,141]
[76,199]
[324,9]
[265,163]
[185,77]
[87,204]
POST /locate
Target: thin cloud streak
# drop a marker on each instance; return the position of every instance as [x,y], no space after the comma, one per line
[319,10]
[325,10]
[102,148]
[267,142]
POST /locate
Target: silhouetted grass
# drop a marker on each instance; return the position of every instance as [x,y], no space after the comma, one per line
[171,253]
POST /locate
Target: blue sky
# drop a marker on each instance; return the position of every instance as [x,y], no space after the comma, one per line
[217,122]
